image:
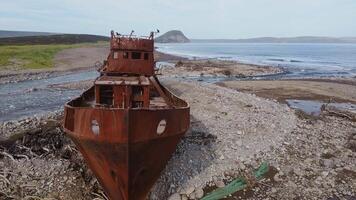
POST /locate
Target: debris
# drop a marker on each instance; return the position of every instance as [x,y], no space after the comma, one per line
[236,185]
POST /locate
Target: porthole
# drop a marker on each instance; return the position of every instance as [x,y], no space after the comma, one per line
[95,127]
[161,126]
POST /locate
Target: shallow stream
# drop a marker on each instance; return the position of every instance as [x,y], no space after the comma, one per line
[32,97]
[314,107]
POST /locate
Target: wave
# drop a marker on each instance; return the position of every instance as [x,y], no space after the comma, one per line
[296,61]
[312,61]
[285,60]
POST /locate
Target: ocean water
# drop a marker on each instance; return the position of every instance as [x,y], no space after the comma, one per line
[300,60]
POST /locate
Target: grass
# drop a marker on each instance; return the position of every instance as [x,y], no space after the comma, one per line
[32,56]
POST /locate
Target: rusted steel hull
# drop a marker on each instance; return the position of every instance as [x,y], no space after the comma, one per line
[127,125]
[127,155]
[128,171]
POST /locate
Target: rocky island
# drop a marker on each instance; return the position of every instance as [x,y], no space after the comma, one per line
[174,36]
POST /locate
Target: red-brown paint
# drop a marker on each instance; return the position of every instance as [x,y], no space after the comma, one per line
[122,144]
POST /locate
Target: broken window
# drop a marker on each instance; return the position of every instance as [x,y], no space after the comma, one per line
[126,55]
[137,91]
[137,104]
[146,56]
[136,55]
[106,95]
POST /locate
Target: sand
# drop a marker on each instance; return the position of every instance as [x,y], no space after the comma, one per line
[322,90]
[213,68]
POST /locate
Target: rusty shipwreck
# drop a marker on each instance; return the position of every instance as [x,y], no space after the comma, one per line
[127,125]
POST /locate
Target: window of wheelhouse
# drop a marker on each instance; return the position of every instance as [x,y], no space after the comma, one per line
[126,55]
[137,94]
[145,56]
[116,55]
[106,95]
[136,55]
[137,91]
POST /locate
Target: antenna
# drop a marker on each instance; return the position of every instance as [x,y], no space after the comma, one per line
[132,33]
[154,33]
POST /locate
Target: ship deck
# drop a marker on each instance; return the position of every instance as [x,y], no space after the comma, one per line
[156,101]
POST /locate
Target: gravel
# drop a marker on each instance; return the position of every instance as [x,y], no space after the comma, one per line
[38,161]
[231,133]
[237,126]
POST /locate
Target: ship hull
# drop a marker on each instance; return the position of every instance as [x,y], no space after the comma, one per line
[126,148]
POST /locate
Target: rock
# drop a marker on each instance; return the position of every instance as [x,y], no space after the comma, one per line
[189,190]
[242,166]
[298,172]
[184,197]
[199,193]
[192,196]
[174,36]
[324,173]
[277,177]
[308,161]
[239,143]
[273,190]
[328,163]
[352,144]
[219,184]
[174,196]
[318,180]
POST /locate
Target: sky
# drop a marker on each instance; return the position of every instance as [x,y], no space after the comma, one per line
[203,19]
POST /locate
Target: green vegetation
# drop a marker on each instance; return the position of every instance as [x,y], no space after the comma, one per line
[32,56]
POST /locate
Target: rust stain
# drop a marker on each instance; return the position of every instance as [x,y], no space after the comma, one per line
[127,125]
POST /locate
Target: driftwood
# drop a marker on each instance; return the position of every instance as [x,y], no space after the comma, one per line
[10,140]
[333,111]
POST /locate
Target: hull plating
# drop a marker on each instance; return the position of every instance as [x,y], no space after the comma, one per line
[126,148]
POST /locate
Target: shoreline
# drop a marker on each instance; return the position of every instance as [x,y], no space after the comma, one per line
[73,55]
[283,67]
[247,78]
[67,61]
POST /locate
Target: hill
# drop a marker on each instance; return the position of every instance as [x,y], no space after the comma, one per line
[174,36]
[53,39]
[302,39]
[5,33]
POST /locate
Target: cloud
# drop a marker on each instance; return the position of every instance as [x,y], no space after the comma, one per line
[198,18]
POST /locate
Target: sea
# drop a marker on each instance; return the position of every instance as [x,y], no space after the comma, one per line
[299,60]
